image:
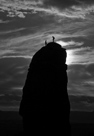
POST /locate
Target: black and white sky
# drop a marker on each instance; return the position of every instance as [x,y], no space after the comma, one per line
[25,25]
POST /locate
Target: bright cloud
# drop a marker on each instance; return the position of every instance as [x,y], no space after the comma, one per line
[14,9]
[83,55]
[62,43]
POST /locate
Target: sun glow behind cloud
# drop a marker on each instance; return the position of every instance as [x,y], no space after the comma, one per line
[70,52]
[70,57]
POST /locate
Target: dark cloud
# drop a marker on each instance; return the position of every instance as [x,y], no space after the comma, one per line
[82,72]
[85,1]
[60,3]
[9,102]
[81,80]
[9,98]
[90,68]
[13,73]
[31,21]
[82,103]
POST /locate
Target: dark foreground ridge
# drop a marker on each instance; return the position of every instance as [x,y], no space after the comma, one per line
[11,124]
[45,106]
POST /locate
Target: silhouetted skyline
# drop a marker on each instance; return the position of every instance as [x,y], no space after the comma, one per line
[45,105]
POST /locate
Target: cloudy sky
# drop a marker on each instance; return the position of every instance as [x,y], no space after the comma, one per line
[25,25]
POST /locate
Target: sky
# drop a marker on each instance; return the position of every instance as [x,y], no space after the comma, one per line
[24,27]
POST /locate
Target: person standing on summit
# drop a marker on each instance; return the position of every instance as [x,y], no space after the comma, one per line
[45,105]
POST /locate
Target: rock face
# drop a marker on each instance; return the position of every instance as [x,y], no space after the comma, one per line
[45,104]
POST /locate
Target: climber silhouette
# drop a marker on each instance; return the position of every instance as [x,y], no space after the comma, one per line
[45,105]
